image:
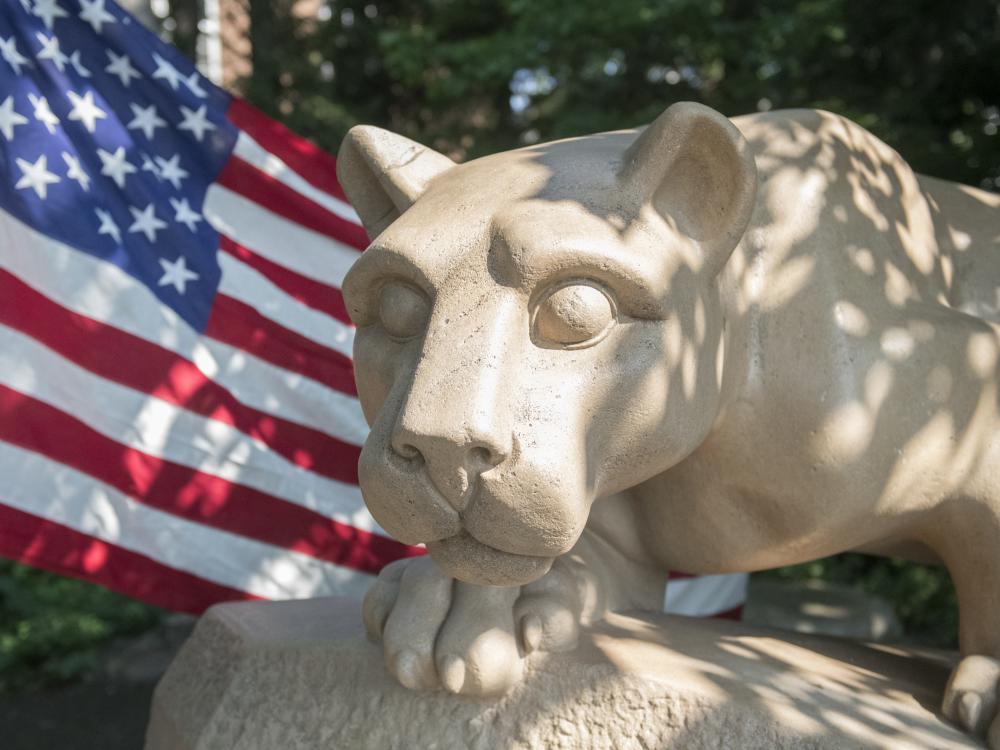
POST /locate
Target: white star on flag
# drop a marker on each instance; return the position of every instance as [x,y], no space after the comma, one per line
[85,110]
[176,274]
[184,214]
[115,165]
[171,171]
[149,166]
[43,113]
[146,120]
[50,51]
[146,222]
[49,11]
[36,176]
[108,226]
[121,66]
[78,66]
[196,122]
[9,118]
[74,171]
[194,86]
[94,13]
[167,72]
[8,51]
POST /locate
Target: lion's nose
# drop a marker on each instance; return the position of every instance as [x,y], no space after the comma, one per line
[452,463]
[479,455]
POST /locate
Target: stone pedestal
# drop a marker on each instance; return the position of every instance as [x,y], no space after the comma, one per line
[298,675]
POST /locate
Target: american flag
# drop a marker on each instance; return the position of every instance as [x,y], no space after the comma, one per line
[178,415]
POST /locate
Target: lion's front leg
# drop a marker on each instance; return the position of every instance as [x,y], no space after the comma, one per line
[437,631]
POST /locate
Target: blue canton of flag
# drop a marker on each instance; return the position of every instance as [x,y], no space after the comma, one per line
[109,140]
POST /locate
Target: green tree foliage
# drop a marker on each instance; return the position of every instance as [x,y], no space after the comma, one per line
[52,628]
[475,77]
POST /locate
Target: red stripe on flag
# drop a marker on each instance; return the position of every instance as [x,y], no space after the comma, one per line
[151,369]
[189,493]
[314,294]
[276,196]
[35,541]
[313,164]
[238,324]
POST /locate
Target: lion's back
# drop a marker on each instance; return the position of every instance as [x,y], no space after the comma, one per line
[835,193]
[967,222]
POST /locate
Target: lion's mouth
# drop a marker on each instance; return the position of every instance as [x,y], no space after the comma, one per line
[466,558]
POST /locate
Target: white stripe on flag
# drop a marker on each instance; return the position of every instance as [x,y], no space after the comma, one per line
[253,153]
[102,291]
[160,429]
[701,596]
[242,282]
[285,394]
[284,242]
[37,485]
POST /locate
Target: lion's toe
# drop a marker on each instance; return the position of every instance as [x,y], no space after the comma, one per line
[411,627]
[970,697]
[477,651]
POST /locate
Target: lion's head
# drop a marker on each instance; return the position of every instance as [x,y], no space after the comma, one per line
[537,329]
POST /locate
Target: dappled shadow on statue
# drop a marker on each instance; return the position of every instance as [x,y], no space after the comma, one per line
[699,346]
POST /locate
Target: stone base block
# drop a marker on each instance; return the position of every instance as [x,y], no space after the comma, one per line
[300,675]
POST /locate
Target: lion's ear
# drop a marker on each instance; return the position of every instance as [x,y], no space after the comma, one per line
[695,168]
[383,174]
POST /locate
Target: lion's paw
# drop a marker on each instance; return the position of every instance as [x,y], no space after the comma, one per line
[970,698]
[472,640]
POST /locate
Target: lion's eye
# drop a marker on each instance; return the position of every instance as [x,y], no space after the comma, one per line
[573,316]
[403,310]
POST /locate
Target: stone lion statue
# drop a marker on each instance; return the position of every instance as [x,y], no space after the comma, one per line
[711,345]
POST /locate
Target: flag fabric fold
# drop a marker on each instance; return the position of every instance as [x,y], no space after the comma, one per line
[178,415]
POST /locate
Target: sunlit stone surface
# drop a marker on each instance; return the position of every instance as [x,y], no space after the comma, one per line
[298,675]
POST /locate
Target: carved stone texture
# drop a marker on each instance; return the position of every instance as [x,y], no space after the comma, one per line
[298,676]
[706,345]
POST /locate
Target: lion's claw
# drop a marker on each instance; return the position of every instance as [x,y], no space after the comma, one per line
[451,670]
[531,633]
[468,639]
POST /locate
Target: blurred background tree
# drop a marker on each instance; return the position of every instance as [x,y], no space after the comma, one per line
[470,78]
